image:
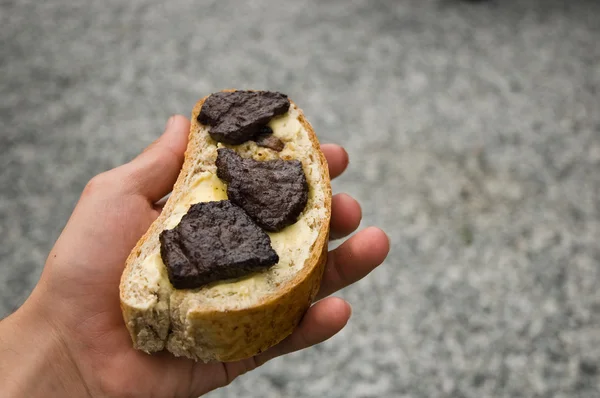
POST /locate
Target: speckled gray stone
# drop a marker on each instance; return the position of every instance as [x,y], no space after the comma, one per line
[474,137]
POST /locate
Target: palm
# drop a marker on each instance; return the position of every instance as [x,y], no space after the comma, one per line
[85,266]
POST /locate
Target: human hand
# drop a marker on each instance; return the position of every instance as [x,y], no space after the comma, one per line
[69,336]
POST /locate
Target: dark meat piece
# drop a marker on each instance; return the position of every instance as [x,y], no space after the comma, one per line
[265,138]
[214,241]
[273,192]
[237,117]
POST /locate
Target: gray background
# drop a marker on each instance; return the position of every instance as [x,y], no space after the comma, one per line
[474,137]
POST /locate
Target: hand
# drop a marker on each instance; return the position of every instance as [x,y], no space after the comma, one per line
[72,321]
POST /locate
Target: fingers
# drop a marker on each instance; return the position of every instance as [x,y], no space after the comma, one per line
[321,322]
[337,159]
[153,173]
[353,260]
[345,215]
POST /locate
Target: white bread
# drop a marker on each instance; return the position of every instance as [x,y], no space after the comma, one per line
[230,320]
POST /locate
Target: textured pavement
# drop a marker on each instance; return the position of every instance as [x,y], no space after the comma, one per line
[474,137]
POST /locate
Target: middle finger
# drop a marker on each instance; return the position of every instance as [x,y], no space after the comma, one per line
[345,216]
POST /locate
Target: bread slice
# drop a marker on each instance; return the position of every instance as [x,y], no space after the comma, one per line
[234,319]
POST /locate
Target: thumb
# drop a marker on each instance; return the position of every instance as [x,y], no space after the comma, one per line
[153,173]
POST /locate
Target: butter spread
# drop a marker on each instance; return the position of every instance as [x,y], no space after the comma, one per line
[206,188]
[285,127]
[242,286]
[155,276]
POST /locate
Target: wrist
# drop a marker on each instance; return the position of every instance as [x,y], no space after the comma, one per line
[34,358]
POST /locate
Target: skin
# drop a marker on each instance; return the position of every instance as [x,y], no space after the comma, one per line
[68,338]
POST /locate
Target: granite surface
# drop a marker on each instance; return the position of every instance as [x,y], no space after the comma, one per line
[474,135]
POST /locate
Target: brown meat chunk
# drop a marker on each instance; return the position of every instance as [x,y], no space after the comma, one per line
[266,139]
[214,241]
[274,192]
[238,116]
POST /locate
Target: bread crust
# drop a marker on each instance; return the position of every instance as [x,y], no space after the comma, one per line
[207,333]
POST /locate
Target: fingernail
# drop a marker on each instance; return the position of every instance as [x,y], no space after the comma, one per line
[170,122]
[347,156]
